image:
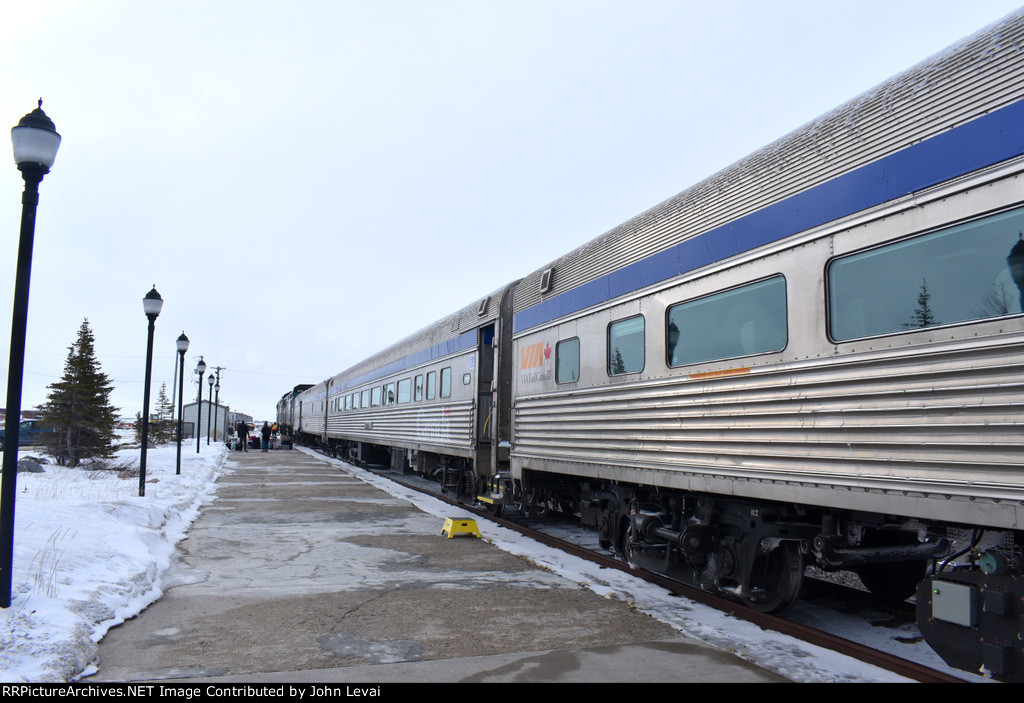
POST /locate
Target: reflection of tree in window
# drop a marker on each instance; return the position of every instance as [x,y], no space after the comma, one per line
[626,346]
[996,302]
[618,366]
[923,316]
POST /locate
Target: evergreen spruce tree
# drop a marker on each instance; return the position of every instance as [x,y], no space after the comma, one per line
[160,430]
[78,407]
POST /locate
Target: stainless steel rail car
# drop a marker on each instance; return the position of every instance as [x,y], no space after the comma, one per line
[430,403]
[308,413]
[287,411]
[815,356]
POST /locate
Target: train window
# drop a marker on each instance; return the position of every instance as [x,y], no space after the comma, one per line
[418,389]
[626,346]
[971,271]
[431,385]
[405,390]
[375,396]
[740,321]
[446,382]
[389,394]
[567,361]
[364,400]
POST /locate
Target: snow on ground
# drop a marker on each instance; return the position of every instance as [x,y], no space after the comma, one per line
[90,553]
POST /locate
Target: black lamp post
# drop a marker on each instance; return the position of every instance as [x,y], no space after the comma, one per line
[182,345]
[35,142]
[152,304]
[216,402]
[209,415]
[200,369]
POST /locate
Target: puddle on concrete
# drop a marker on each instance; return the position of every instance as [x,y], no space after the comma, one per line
[345,645]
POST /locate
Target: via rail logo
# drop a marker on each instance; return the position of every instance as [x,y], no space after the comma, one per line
[535,363]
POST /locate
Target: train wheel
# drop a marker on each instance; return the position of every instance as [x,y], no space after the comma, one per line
[532,503]
[776,578]
[494,509]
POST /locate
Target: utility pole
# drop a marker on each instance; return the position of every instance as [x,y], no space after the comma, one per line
[216,402]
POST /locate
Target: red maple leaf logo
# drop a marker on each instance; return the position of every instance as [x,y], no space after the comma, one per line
[547,351]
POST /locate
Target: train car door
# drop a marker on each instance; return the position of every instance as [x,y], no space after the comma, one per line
[485,376]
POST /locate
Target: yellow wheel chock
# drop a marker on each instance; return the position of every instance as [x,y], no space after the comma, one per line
[460,525]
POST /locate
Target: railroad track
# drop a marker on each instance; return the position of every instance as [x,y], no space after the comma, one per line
[903,667]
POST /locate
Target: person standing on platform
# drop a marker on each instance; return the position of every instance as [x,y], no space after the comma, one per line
[243,436]
[265,431]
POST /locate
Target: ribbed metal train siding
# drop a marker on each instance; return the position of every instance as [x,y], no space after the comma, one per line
[980,75]
[431,427]
[942,422]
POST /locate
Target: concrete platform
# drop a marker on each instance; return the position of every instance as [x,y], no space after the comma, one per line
[299,572]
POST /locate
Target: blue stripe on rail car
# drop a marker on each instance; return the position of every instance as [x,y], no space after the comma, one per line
[982,142]
[465,341]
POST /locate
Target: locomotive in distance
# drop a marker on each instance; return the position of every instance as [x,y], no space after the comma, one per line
[814,357]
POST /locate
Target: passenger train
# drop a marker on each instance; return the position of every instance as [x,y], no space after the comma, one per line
[812,358]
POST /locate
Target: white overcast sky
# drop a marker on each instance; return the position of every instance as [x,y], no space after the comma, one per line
[306,182]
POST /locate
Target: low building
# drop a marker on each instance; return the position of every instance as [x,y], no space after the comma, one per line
[214,421]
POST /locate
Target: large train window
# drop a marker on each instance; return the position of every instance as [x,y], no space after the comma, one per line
[389,394]
[364,401]
[405,390]
[418,389]
[972,271]
[375,396]
[737,322]
[567,361]
[626,346]
[431,385]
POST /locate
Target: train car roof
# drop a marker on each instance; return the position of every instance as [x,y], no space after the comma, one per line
[976,77]
[433,341]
